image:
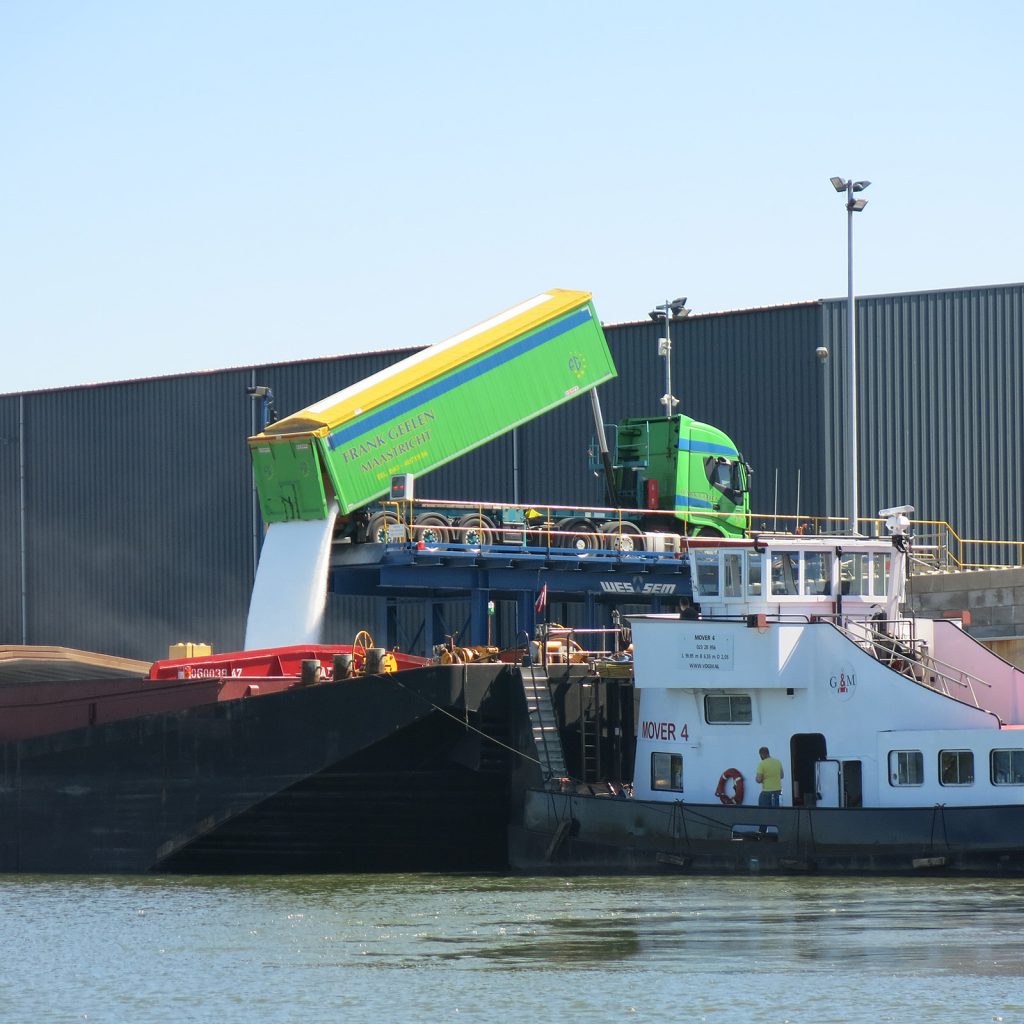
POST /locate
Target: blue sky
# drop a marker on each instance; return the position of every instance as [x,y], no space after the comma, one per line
[196,185]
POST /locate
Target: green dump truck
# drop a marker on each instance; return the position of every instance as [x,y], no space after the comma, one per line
[457,395]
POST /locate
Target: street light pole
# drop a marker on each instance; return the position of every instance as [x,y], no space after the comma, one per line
[852,206]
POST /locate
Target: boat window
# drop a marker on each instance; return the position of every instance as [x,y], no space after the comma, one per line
[667,771]
[879,574]
[906,768]
[1007,767]
[733,574]
[785,572]
[707,572]
[818,572]
[753,573]
[956,767]
[853,573]
[727,707]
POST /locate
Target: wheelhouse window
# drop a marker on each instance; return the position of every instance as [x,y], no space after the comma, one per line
[720,708]
[707,572]
[906,768]
[956,767]
[879,574]
[732,564]
[818,572]
[667,771]
[854,574]
[1007,767]
[785,573]
[754,560]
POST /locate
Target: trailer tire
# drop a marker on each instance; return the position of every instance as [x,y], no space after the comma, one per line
[476,530]
[623,537]
[585,536]
[432,529]
[377,527]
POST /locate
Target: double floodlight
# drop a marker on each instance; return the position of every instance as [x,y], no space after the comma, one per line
[849,187]
[677,307]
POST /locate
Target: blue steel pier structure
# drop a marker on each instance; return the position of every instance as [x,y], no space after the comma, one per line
[417,586]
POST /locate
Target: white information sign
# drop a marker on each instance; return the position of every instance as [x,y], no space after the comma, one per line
[708,651]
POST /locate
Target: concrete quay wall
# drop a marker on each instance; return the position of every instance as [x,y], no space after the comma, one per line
[993,597]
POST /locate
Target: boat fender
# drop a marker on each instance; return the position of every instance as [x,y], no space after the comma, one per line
[737,789]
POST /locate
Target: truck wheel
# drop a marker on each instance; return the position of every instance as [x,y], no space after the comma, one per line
[377,527]
[624,537]
[431,528]
[584,535]
[476,530]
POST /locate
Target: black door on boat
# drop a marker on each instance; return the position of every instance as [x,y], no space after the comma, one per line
[806,749]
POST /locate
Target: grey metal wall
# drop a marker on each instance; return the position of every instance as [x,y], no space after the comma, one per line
[140,524]
[10,520]
[941,423]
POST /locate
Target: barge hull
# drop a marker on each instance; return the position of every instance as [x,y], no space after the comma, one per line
[269,782]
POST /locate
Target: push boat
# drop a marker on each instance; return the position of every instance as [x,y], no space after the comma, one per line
[901,738]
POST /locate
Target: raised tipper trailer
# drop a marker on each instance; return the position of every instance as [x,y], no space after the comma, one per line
[430,408]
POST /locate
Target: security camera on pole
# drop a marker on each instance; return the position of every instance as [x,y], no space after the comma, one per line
[669,311]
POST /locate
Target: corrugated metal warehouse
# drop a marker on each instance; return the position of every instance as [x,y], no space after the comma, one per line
[128,520]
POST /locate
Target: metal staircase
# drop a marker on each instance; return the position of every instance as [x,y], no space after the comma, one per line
[546,737]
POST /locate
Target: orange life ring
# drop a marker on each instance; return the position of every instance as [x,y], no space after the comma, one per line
[737,789]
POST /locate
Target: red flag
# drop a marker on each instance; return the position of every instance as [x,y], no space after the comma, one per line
[542,600]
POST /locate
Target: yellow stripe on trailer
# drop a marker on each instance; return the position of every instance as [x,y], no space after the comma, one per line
[429,364]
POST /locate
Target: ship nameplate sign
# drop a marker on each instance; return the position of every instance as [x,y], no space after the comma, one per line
[708,652]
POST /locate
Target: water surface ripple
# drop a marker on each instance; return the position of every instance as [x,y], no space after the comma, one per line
[454,948]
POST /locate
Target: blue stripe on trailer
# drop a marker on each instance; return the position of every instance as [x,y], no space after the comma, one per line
[347,433]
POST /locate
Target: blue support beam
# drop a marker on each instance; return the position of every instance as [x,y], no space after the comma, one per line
[434,579]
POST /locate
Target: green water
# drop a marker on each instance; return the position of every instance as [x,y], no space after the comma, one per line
[443,948]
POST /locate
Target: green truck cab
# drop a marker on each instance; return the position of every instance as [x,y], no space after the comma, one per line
[679,465]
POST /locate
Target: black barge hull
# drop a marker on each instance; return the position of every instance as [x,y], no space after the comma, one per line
[378,773]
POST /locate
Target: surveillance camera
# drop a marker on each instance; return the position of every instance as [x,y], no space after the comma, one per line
[822,353]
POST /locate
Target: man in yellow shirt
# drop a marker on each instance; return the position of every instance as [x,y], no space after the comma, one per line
[770,775]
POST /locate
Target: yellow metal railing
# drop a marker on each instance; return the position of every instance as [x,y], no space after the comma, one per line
[937,547]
